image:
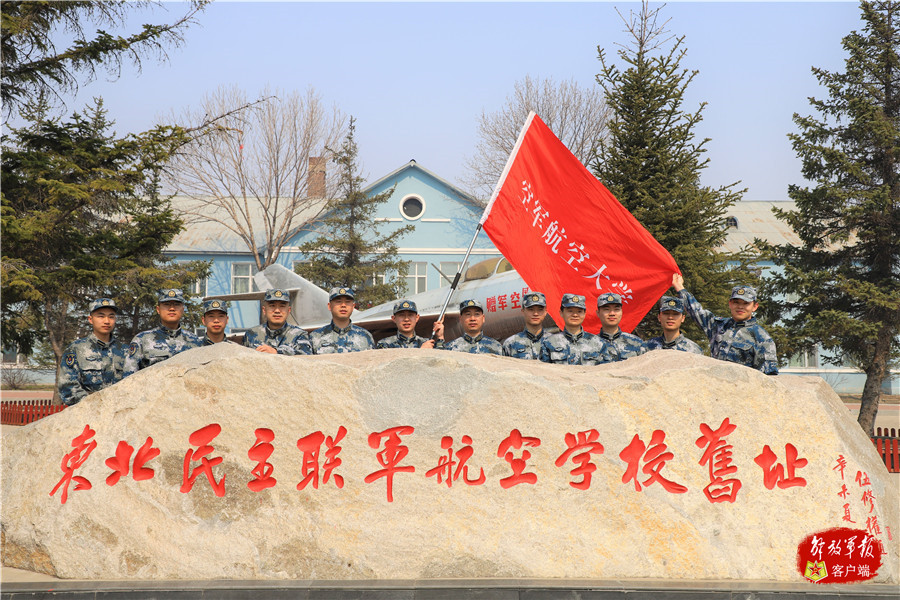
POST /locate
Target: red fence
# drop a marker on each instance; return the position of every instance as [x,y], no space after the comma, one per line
[23,412]
[888,446]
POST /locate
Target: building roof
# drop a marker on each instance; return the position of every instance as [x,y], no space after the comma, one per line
[756,220]
[412,164]
[205,231]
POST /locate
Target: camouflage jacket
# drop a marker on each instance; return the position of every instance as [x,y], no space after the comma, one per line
[742,342]
[333,340]
[622,345]
[581,349]
[679,343]
[401,341]
[475,345]
[89,365]
[156,345]
[523,345]
[289,340]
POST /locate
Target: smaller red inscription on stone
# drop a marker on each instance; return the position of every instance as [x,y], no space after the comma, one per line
[839,555]
[72,461]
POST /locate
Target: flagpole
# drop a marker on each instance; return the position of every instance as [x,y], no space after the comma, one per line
[487,210]
[462,268]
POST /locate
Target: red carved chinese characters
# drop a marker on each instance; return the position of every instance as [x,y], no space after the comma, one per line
[259,453]
[390,457]
[515,441]
[311,447]
[119,463]
[73,460]
[444,470]
[580,447]
[718,456]
[655,459]
[201,438]
[773,472]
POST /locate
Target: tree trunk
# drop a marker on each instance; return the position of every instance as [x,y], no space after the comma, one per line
[871,396]
[55,324]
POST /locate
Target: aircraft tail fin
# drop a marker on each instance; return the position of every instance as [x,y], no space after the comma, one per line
[309,302]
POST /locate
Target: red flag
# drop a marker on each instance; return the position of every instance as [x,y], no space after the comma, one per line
[564,232]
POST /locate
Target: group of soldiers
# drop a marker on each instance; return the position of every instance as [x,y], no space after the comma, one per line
[99,360]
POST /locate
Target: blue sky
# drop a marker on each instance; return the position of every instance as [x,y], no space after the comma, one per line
[418,75]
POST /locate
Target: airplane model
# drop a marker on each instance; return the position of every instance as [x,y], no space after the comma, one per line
[492,282]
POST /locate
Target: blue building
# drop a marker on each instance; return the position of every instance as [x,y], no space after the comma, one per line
[445,219]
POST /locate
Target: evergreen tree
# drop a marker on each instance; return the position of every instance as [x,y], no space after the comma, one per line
[842,283]
[82,218]
[32,65]
[651,162]
[351,249]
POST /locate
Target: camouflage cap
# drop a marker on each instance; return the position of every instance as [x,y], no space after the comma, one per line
[277,295]
[572,301]
[337,292]
[671,303]
[743,292]
[102,303]
[608,298]
[402,305]
[170,295]
[534,299]
[470,304]
[215,304]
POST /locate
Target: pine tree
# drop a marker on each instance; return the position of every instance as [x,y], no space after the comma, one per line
[843,281]
[651,161]
[350,249]
[81,218]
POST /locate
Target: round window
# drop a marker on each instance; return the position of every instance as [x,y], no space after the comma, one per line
[412,207]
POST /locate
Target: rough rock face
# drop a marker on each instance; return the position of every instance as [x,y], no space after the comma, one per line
[526,520]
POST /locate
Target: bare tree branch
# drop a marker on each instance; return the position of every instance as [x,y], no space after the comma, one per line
[576,115]
[249,168]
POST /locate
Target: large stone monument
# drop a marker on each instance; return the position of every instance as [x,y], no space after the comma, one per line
[405,464]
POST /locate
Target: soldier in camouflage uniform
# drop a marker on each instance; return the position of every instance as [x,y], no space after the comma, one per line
[527,343]
[276,335]
[621,345]
[94,362]
[473,340]
[215,320]
[671,316]
[156,345]
[341,335]
[739,338]
[573,345]
[405,316]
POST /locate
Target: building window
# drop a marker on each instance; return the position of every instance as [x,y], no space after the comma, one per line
[449,269]
[198,288]
[416,278]
[731,222]
[242,278]
[379,279]
[807,359]
[412,207]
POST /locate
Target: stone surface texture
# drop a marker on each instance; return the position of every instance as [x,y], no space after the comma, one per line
[149,529]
